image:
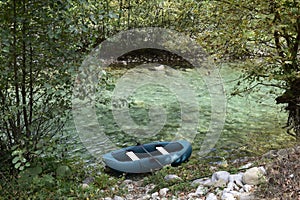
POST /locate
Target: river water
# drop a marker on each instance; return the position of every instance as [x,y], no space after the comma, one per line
[252,126]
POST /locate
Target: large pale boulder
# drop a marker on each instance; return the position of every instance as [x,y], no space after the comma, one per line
[254,176]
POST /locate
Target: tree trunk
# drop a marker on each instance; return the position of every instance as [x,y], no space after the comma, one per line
[292,98]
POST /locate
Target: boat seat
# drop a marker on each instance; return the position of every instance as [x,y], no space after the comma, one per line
[132,155]
[162,150]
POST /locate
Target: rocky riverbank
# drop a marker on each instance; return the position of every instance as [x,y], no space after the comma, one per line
[280,167]
[221,185]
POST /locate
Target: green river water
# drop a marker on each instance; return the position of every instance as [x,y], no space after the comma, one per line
[252,126]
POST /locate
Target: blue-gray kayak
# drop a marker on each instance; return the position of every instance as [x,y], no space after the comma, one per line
[148,157]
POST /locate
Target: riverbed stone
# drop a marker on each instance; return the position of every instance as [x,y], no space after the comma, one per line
[220,183]
[84,186]
[246,166]
[253,176]
[232,186]
[247,188]
[202,181]
[163,191]
[235,194]
[211,196]
[201,190]
[118,198]
[237,179]
[155,195]
[146,197]
[220,175]
[192,195]
[172,177]
[227,196]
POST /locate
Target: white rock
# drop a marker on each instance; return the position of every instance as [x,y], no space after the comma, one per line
[155,195]
[163,191]
[253,176]
[146,197]
[232,186]
[84,186]
[202,181]
[211,196]
[191,195]
[220,175]
[220,183]
[237,179]
[247,188]
[226,190]
[201,190]
[227,196]
[248,165]
[171,177]
[235,194]
[118,198]
[263,170]
[218,191]
[107,198]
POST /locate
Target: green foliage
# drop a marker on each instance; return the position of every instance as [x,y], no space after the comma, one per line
[50,178]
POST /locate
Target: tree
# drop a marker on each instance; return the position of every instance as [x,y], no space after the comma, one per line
[34,79]
[264,38]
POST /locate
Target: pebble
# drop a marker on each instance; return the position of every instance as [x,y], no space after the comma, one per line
[84,186]
[155,195]
[171,177]
[220,175]
[202,181]
[227,196]
[118,198]
[211,196]
[247,188]
[163,192]
[191,195]
[237,179]
[248,165]
[201,190]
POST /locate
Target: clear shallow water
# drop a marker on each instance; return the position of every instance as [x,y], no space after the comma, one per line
[253,122]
